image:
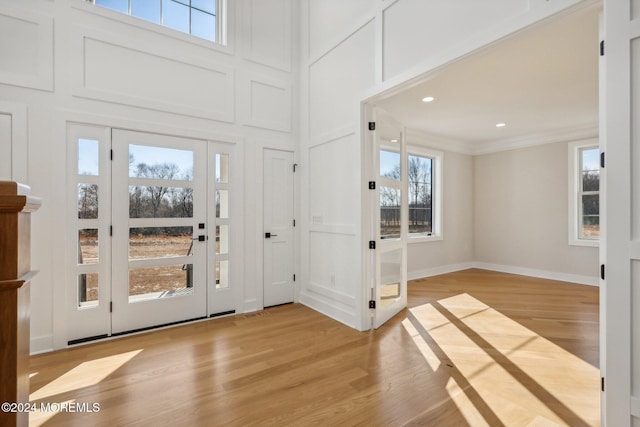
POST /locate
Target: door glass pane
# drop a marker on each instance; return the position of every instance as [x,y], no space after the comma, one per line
[222,168]
[160,282]
[87,201]
[389,213]
[88,157]
[160,242]
[222,239]
[222,204]
[88,290]
[88,246]
[390,165]
[160,202]
[222,274]
[390,276]
[160,163]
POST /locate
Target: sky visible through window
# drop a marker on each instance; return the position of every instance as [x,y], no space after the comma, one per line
[195,17]
[591,159]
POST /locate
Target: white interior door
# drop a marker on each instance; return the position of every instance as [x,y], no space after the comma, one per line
[620,208]
[278,228]
[159,230]
[5,147]
[390,211]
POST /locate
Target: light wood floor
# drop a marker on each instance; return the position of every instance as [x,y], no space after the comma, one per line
[475,348]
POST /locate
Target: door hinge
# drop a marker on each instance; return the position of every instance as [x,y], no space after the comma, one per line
[372,304]
[294,277]
[372,125]
[111,307]
[602,271]
[601,47]
[295,165]
[111,230]
[294,222]
[372,244]
[372,185]
[111,154]
[602,383]
[602,159]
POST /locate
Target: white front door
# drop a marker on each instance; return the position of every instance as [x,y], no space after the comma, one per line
[151,219]
[389,209]
[160,231]
[278,228]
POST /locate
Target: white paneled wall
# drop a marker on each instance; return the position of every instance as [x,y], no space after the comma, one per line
[69,61]
[26,47]
[5,147]
[417,29]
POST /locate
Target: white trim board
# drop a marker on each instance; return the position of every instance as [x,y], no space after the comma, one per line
[522,271]
[542,274]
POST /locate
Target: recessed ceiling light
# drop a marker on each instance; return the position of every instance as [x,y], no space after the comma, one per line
[428,99]
[501,125]
[394,140]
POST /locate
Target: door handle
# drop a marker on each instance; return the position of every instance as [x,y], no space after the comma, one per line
[269,235]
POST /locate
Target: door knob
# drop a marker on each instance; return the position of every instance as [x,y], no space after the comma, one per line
[269,235]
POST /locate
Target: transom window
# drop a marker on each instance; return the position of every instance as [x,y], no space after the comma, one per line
[585,189]
[196,17]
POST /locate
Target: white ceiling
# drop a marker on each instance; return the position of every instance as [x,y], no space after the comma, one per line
[541,82]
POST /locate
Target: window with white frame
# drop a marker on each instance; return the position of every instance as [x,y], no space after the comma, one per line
[200,18]
[424,195]
[584,185]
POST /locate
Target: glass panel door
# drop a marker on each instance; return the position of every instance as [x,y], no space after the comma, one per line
[390,215]
[159,230]
[88,245]
[223,200]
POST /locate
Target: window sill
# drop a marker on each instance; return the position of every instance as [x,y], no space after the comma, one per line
[584,242]
[424,238]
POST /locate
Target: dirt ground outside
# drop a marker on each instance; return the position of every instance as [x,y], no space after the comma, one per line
[143,280]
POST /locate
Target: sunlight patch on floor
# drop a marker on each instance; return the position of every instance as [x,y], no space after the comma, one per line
[506,368]
[84,375]
[37,418]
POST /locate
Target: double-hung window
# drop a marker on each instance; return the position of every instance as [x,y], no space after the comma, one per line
[424,171]
[200,18]
[584,202]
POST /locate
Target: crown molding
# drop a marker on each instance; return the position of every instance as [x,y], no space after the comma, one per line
[422,138]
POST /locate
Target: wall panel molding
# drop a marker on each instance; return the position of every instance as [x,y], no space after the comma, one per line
[269,42]
[125,75]
[269,104]
[26,49]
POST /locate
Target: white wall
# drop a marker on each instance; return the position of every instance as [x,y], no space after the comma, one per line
[69,61]
[521,215]
[456,250]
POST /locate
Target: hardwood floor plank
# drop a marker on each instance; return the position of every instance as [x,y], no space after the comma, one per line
[473,348]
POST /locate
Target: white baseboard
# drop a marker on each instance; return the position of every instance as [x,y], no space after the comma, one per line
[42,344]
[542,274]
[435,271]
[347,317]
